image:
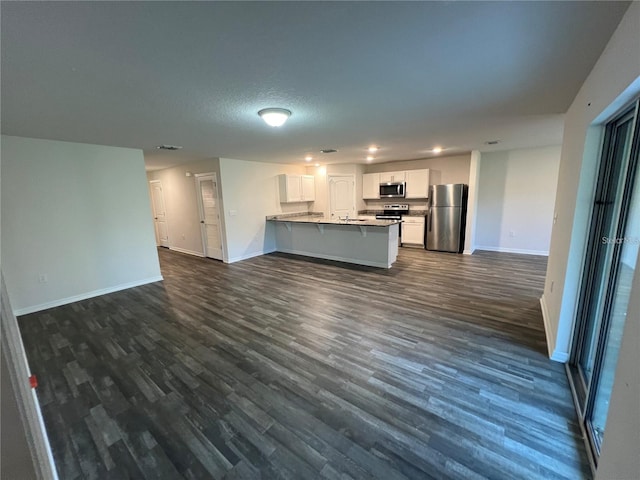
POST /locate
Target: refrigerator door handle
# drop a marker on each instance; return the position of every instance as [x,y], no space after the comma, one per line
[429,219]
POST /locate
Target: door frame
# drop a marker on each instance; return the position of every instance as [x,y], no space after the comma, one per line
[584,393]
[201,214]
[334,175]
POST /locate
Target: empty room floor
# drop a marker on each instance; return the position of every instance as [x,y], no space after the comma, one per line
[287,367]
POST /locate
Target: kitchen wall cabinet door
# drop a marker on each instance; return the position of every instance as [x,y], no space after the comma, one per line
[297,188]
[417,183]
[370,186]
[392,177]
[308,187]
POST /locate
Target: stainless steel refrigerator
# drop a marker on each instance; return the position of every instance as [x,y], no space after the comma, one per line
[447,218]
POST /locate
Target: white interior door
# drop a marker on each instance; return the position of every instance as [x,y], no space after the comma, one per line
[159,213]
[342,196]
[207,186]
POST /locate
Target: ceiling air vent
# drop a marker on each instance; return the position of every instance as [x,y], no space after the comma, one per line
[492,142]
[328,150]
[168,147]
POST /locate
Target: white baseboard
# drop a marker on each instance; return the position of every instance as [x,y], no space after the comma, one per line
[554,354]
[249,255]
[468,252]
[85,296]
[189,252]
[544,253]
[560,357]
[336,258]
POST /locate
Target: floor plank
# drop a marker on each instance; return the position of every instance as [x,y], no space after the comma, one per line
[287,367]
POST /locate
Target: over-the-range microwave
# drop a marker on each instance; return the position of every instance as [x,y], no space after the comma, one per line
[392,190]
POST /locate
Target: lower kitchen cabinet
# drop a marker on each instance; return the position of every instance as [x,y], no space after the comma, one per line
[413,231]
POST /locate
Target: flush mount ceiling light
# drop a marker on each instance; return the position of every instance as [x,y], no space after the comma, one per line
[274,117]
[437,149]
[308,158]
[369,158]
[373,149]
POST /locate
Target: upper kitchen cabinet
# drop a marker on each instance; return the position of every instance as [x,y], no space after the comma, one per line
[417,183]
[370,186]
[308,188]
[297,188]
[392,177]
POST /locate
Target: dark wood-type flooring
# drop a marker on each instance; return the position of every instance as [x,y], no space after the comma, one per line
[286,367]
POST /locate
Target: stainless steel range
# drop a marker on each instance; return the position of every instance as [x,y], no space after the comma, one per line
[393,211]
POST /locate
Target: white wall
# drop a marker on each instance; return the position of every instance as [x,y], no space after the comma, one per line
[181,203]
[516,196]
[451,169]
[472,203]
[77,213]
[250,193]
[614,81]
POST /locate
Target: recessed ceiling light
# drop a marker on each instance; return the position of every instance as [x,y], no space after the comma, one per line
[369,158]
[373,149]
[328,150]
[437,150]
[317,164]
[308,158]
[274,117]
[168,147]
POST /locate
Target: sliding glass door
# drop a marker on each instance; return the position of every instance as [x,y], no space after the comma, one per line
[612,252]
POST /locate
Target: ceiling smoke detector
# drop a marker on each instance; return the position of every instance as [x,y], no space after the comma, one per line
[329,150]
[168,147]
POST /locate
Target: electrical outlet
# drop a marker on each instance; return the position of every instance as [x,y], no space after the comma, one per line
[233,213]
[43,278]
[512,233]
[183,237]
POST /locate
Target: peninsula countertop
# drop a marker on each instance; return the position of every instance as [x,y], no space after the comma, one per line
[321,219]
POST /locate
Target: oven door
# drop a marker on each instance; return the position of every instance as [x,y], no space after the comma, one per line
[392,190]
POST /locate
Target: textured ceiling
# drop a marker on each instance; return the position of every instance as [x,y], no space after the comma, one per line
[403,75]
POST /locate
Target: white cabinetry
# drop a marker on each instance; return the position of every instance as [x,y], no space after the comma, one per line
[308,188]
[370,186]
[297,188]
[417,183]
[413,230]
[392,177]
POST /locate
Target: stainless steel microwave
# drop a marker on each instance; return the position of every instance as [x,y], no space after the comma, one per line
[392,190]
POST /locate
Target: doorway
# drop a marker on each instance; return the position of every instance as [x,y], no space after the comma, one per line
[609,268]
[208,208]
[159,214]
[342,196]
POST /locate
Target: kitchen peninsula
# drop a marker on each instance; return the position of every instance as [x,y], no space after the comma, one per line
[364,242]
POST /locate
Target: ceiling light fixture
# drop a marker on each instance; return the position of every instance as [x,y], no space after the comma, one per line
[317,164]
[308,158]
[437,150]
[274,117]
[373,149]
[369,158]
